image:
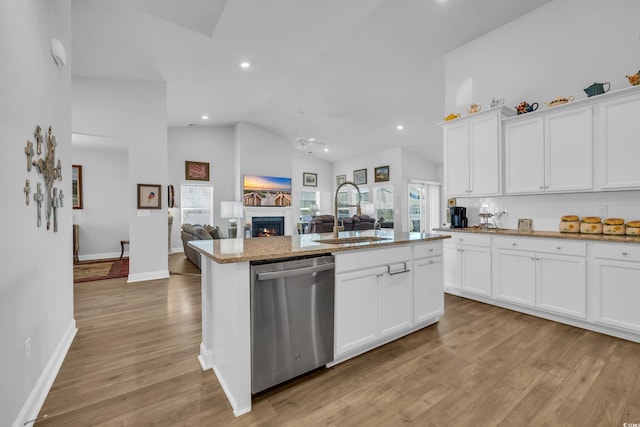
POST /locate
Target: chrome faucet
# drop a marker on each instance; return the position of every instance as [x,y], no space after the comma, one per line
[337,229]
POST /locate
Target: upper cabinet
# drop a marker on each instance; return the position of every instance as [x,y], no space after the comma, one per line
[472,153]
[549,152]
[620,143]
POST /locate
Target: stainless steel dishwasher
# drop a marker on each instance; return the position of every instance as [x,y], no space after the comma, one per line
[291,319]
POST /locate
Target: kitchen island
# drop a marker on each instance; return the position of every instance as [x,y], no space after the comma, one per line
[388,284]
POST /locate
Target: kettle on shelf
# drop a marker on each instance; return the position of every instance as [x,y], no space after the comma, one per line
[597,89]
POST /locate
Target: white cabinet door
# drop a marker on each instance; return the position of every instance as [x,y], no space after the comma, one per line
[484,156]
[524,156]
[428,292]
[568,150]
[562,284]
[617,292]
[515,276]
[456,159]
[619,135]
[452,266]
[356,309]
[476,270]
[395,300]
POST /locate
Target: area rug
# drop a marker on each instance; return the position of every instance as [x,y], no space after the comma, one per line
[99,270]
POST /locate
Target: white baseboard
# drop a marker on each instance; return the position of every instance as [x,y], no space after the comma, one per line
[151,275]
[177,250]
[106,255]
[36,398]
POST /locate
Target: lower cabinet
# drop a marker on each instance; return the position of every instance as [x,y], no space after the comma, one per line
[467,264]
[383,294]
[515,277]
[616,286]
[428,289]
[356,309]
[547,274]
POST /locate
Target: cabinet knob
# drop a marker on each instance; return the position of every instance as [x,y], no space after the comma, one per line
[431,250]
[533,259]
[559,248]
[625,253]
[513,244]
[542,187]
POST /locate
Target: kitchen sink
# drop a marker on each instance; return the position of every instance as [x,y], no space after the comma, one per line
[352,239]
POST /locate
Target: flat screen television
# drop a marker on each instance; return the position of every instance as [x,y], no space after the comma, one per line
[266,191]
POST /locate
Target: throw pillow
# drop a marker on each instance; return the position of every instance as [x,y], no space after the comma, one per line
[200,232]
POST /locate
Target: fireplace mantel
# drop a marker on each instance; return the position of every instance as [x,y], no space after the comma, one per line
[262,211]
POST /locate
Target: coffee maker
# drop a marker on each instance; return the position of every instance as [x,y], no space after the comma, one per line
[458,216]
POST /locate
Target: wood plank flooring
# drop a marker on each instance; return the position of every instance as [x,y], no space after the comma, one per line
[133,363]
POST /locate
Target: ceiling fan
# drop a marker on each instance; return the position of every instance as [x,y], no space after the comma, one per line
[305,144]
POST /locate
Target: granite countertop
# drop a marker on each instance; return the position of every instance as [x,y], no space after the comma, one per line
[226,251]
[544,234]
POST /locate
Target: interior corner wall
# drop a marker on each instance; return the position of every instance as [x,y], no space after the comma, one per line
[36,284]
[104,219]
[134,111]
[213,145]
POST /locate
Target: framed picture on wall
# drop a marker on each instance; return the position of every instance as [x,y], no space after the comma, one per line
[149,196]
[360,176]
[76,186]
[196,171]
[309,179]
[381,174]
[341,179]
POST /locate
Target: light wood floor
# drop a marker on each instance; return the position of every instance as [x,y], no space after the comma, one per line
[133,363]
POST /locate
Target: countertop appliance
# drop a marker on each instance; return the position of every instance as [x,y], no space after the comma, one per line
[458,216]
[292,305]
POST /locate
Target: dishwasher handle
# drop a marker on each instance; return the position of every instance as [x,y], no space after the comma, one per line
[294,272]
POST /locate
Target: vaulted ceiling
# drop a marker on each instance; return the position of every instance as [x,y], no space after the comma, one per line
[356,68]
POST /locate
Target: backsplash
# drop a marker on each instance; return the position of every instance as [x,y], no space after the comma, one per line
[546,209]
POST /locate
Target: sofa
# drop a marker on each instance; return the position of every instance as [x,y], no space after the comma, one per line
[191,232]
[324,223]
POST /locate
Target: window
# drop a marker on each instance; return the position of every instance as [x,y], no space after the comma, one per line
[196,204]
[383,204]
[309,203]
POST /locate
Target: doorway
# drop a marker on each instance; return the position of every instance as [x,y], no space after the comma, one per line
[424,206]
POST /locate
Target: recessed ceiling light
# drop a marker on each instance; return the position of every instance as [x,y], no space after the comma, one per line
[245,64]
[205,117]
[400,127]
[326,149]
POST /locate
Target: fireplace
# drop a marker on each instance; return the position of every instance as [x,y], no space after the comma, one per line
[265,226]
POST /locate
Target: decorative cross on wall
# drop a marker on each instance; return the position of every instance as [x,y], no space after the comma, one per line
[51,170]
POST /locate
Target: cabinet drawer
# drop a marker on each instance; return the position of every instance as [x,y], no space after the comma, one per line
[360,259]
[618,252]
[469,239]
[552,246]
[427,250]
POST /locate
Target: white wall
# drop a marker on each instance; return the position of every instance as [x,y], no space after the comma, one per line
[104,218]
[135,112]
[232,152]
[36,284]
[213,145]
[558,49]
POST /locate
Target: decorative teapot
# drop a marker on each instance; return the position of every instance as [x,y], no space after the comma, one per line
[597,89]
[474,108]
[495,102]
[634,79]
[451,117]
[525,107]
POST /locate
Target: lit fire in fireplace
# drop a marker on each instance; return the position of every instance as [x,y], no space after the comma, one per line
[267,232]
